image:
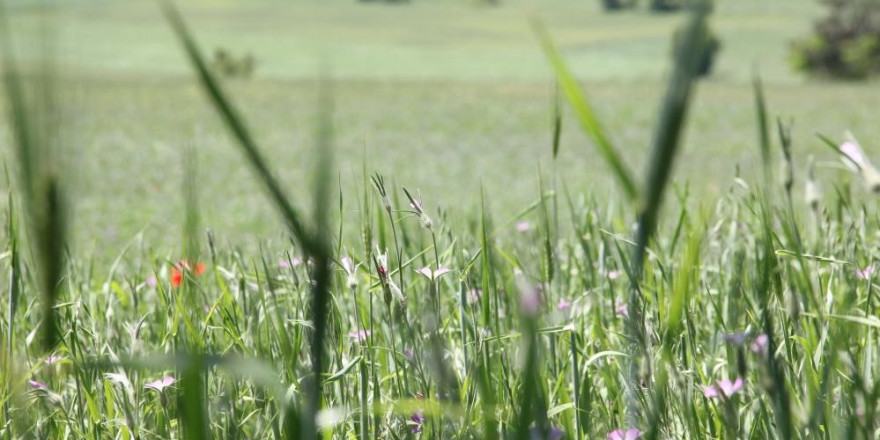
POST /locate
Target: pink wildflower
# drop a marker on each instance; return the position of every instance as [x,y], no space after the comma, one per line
[159,385]
[852,152]
[37,385]
[359,335]
[628,434]
[864,274]
[724,388]
[760,344]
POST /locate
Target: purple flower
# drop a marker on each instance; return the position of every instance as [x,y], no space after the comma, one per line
[359,335]
[628,434]
[622,310]
[563,304]
[159,385]
[523,226]
[151,281]
[724,388]
[431,274]
[409,354]
[553,434]
[53,359]
[417,419]
[37,385]
[864,274]
[760,344]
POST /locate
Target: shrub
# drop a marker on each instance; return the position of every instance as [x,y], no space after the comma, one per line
[845,43]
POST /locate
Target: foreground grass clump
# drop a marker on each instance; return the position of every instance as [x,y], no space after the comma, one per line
[437,333]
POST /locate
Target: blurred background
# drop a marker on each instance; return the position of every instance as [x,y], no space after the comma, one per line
[442,96]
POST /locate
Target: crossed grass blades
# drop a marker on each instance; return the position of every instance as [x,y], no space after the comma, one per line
[733,323]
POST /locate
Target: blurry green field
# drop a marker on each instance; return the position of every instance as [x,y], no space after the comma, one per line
[441,96]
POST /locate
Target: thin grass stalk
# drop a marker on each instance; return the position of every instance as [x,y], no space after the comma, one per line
[379,183]
[235,123]
[320,253]
[315,244]
[14,293]
[579,412]
[585,113]
[35,130]
[665,145]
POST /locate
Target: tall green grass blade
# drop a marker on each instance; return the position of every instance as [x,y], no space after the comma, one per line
[664,149]
[763,129]
[316,245]
[235,123]
[193,407]
[321,275]
[584,112]
[33,117]
[557,122]
[191,206]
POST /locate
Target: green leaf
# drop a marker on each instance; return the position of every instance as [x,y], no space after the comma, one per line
[343,371]
[584,112]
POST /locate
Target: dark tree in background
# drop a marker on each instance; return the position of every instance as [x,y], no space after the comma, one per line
[615,5]
[653,5]
[845,44]
[666,5]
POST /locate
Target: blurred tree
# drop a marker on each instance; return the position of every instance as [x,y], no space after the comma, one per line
[615,5]
[666,5]
[845,43]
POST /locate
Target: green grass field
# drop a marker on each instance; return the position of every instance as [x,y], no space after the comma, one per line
[473,76]
[445,276]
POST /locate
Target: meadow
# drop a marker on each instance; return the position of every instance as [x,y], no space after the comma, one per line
[380,236]
[474,76]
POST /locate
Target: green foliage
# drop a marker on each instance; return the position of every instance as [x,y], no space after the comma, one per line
[526,336]
[845,44]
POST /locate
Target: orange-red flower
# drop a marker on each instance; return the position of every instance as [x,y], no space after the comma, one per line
[184,266]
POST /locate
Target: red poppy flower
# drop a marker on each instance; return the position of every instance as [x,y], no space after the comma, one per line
[184,266]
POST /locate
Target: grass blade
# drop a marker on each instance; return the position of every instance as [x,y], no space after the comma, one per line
[557,121]
[235,123]
[763,128]
[584,112]
[665,146]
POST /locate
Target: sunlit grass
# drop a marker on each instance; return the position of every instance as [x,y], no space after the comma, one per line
[383,311]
